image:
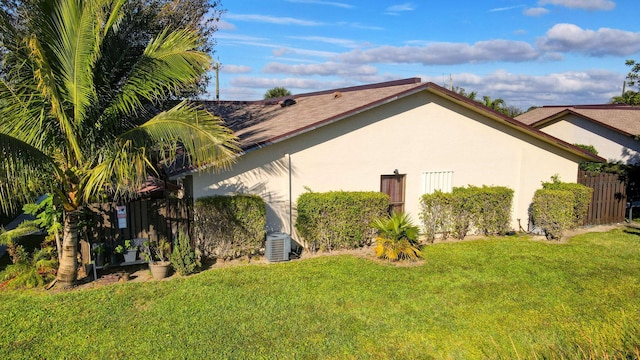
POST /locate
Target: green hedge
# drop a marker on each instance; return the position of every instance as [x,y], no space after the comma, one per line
[436,214]
[580,201]
[490,208]
[228,227]
[553,211]
[338,219]
[486,209]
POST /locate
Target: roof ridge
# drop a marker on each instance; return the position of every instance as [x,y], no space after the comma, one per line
[593,106]
[407,81]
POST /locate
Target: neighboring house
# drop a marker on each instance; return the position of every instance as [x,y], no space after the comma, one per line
[405,138]
[611,129]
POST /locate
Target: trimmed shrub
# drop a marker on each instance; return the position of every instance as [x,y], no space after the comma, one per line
[338,219]
[552,211]
[486,208]
[580,202]
[436,214]
[229,227]
[490,208]
[461,212]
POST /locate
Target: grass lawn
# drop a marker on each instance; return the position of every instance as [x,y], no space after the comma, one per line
[493,298]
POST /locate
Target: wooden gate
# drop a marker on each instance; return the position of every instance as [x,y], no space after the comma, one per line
[609,199]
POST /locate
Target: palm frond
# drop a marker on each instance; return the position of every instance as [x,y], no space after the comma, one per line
[45,75]
[77,37]
[205,140]
[23,170]
[169,63]
[120,171]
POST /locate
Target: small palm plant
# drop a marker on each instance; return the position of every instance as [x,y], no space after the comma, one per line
[397,238]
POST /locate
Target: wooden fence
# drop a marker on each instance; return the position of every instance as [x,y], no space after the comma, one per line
[145,218]
[609,200]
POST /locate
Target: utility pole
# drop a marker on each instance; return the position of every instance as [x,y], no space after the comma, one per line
[450,82]
[216,67]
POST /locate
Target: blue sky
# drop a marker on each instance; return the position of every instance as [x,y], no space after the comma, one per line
[536,52]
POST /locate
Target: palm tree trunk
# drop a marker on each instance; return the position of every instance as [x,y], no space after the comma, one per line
[67,272]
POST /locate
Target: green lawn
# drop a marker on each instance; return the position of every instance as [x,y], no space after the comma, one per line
[494,298]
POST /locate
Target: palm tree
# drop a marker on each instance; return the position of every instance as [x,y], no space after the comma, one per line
[276,92]
[494,104]
[79,109]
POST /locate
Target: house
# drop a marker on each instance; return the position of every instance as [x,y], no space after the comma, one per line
[405,138]
[611,129]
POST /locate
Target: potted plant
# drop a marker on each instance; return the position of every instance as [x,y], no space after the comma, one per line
[99,250]
[157,253]
[113,256]
[130,251]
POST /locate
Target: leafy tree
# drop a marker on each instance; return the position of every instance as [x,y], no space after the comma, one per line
[78,108]
[276,92]
[512,111]
[630,97]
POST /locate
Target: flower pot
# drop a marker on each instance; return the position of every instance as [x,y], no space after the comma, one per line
[159,269]
[100,259]
[130,255]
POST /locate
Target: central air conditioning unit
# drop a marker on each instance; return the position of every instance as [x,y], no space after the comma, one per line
[278,247]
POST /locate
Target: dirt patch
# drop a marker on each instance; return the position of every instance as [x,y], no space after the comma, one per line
[568,234]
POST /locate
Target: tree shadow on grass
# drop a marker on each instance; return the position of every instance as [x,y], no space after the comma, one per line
[632,231]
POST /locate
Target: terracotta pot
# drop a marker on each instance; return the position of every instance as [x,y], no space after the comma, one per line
[159,269]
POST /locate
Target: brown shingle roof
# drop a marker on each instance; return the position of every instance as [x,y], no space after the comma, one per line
[622,118]
[260,123]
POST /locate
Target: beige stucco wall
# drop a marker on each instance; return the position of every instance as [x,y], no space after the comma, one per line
[419,133]
[610,144]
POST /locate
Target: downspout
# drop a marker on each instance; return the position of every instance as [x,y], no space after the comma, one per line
[290,194]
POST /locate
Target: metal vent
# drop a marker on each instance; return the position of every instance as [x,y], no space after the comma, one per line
[288,102]
[278,247]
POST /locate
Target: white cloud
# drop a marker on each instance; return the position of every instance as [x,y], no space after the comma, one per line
[333,41]
[506,8]
[445,53]
[360,26]
[566,88]
[281,51]
[401,7]
[581,4]
[537,11]
[223,25]
[319,2]
[394,9]
[236,37]
[521,90]
[324,69]
[272,19]
[289,83]
[604,41]
[235,69]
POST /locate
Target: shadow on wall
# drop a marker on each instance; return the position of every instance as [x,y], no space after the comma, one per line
[633,157]
[276,204]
